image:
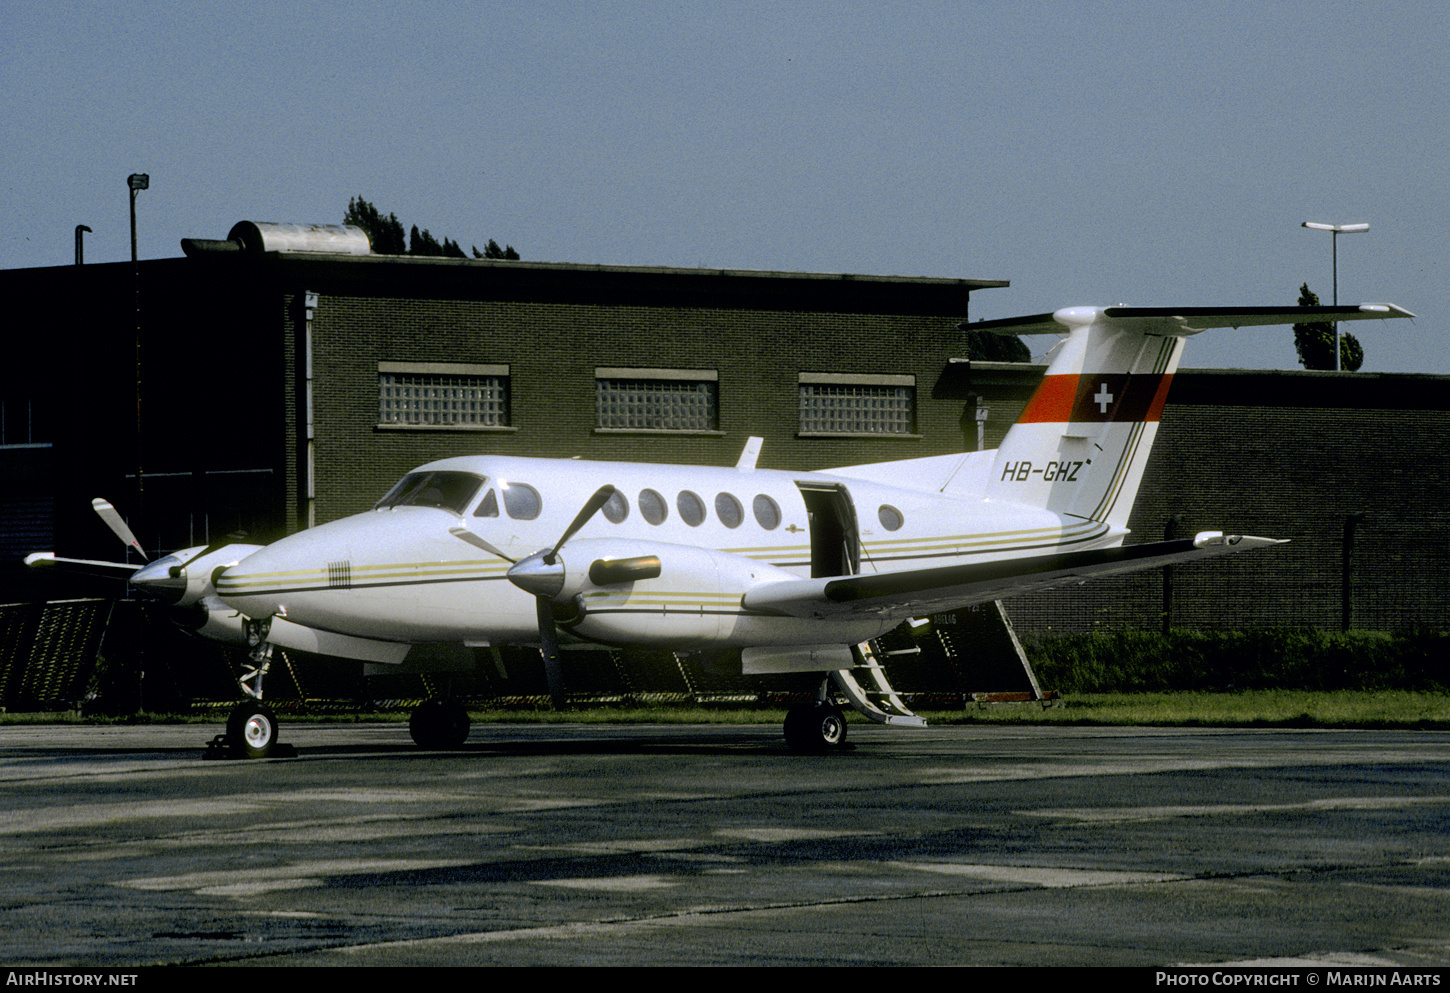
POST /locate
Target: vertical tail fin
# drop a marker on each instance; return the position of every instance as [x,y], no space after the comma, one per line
[1080,446]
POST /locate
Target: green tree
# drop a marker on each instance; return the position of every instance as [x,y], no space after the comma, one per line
[983,346]
[492,251]
[387,238]
[385,234]
[423,243]
[1314,340]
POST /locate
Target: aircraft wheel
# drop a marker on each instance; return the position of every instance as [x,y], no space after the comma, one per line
[815,727]
[439,724]
[252,730]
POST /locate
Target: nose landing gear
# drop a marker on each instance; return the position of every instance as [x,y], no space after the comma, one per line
[251,727]
[252,730]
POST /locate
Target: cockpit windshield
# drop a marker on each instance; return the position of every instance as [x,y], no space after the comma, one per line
[447,490]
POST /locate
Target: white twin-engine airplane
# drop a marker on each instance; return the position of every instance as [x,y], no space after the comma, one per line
[798,571]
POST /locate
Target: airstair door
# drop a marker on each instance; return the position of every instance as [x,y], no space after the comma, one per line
[835,537]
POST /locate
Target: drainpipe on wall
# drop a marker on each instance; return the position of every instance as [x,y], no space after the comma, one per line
[308,482]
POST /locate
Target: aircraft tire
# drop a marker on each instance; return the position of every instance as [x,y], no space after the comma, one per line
[439,724]
[252,730]
[815,727]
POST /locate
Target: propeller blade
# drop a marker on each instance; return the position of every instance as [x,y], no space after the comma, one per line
[549,647]
[463,534]
[49,560]
[599,499]
[113,521]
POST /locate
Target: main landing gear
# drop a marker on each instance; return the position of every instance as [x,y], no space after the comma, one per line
[815,727]
[439,723]
[811,728]
[820,725]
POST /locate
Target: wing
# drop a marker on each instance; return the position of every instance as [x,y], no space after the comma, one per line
[917,592]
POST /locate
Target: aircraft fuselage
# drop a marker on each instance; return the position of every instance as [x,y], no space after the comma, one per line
[397,574]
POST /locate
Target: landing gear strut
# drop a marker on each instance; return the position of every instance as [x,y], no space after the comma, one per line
[252,727]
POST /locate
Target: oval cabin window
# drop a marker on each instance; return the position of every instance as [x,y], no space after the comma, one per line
[728,509]
[691,508]
[617,509]
[652,507]
[767,512]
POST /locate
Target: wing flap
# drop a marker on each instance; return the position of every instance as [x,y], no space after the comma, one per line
[915,592]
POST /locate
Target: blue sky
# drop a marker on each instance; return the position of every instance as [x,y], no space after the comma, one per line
[1090,152]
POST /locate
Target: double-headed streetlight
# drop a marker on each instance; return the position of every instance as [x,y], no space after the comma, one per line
[1335,231]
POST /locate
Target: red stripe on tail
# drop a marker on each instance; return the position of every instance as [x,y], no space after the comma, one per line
[1097,398]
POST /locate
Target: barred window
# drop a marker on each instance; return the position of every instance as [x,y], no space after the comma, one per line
[832,403]
[656,400]
[442,395]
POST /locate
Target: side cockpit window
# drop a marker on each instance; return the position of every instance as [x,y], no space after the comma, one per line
[451,491]
[489,505]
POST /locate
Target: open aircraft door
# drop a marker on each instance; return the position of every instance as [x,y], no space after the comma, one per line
[835,536]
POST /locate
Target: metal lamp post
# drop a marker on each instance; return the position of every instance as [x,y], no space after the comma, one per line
[1335,231]
[137,182]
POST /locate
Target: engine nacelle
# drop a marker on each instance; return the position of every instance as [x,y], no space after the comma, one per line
[210,618]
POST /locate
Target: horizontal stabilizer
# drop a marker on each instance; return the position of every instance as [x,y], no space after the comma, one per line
[1179,321]
[928,591]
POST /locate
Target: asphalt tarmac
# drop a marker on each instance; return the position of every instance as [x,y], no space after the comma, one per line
[690,845]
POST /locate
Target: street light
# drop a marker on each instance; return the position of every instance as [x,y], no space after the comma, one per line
[1335,231]
[137,182]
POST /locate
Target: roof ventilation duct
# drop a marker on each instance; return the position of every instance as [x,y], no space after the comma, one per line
[327,239]
[258,237]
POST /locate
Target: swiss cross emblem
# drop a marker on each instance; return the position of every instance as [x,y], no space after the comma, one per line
[1103,398]
[1106,397]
